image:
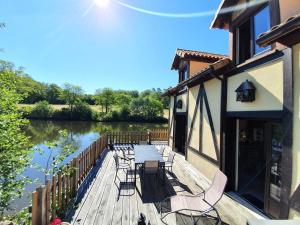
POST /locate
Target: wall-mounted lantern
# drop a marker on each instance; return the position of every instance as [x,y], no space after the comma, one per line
[245,92]
[179,104]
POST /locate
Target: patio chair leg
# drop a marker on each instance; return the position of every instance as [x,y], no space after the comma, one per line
[194,221]
[219,218]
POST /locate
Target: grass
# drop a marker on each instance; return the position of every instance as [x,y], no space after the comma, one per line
[96,108]
[59,107]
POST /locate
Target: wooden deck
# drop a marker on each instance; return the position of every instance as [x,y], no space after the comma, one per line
[104,201]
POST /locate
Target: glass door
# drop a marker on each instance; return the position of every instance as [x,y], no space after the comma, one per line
[273,185]
[252,162]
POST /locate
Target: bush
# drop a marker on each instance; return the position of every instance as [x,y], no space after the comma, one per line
[124,113]
[82,111]
[42,110]
[25,111]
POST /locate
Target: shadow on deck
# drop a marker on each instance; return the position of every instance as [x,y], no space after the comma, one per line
[103,200]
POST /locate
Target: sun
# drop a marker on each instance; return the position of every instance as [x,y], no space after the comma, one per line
[102,3]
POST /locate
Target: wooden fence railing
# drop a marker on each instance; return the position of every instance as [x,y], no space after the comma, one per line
[136,137]
[52,199]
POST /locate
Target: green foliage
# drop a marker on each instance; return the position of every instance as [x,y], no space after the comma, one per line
[22,217]
[82,111]
[53,93]
[105,97]
[71,94]
[42,110]
[14,145]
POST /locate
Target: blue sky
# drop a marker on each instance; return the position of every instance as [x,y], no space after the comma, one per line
[60,41]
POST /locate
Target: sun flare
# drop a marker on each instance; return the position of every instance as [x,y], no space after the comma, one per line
[102,3]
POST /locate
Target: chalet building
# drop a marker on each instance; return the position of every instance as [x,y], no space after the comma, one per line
[241,113]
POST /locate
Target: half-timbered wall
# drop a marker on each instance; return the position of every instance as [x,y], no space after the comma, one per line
[296,125]
[268,80]
[203,138]
[183,98]
[171,120]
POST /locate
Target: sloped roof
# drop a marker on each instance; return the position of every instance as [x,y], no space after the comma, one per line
[183,54]
[222,15]
[281,32]
[210,71]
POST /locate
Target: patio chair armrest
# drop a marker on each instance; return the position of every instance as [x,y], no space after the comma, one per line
[193,195]
[209,204]
[200,193]
[124,158]
[167,198]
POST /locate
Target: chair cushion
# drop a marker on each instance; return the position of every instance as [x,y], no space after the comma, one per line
[188,203]
[123,166]
[168,164]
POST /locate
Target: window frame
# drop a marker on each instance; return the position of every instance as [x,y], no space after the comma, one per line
[183,71]
[236,35]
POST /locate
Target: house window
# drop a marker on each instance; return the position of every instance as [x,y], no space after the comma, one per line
[183,75]
[249,31]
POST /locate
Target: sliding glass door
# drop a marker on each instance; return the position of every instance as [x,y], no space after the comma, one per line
[258,164]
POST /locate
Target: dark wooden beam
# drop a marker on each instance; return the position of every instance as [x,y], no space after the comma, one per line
[174,121]
[201,120]
[187,124]
[274,12]
[211,125]
[273,114]
[287,122]
[223,122]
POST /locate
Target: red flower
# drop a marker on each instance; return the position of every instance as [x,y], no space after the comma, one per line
[55,221]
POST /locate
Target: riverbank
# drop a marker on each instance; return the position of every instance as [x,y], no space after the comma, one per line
[84,112]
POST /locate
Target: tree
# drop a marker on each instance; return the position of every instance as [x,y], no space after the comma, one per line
[14,145]
[105,97]
[71,94]
[53,93]
[123,100]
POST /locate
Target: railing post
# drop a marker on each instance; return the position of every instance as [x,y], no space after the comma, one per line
[149,137]
[39,206]
[35,209]
[54,179]
[76,177]
[48,197]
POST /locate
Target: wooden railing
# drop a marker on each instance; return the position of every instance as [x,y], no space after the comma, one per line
[51,200]
[136,137]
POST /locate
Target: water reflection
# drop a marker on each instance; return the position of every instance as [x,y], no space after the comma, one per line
[80,133]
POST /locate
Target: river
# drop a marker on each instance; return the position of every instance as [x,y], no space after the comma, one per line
[80,133]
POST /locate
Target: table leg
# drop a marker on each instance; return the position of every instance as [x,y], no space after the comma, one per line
[135,167]
[164,174]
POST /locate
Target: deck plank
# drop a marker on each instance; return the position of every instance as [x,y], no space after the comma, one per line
[85,206]
[103,204]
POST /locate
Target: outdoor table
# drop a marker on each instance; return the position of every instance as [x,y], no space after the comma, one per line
[147,153]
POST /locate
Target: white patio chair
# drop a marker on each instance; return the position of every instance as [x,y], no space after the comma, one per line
[170,161]
[161,150]
[124,166]
[201,204]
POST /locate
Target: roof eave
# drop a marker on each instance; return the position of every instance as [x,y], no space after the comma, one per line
[282,33]
[220,19]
